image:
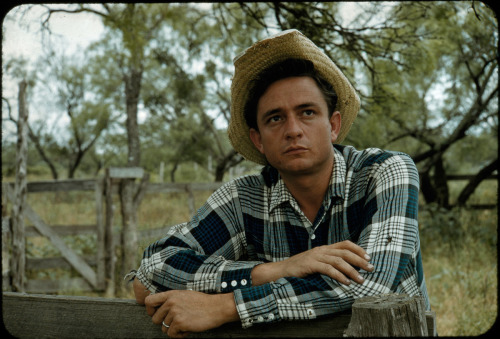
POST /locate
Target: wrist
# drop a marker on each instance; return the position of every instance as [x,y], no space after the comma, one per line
[227,308]
[265,273]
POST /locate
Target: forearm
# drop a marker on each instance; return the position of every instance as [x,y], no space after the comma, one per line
[337,261]
[267,272]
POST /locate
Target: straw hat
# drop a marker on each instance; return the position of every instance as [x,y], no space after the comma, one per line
[265,53]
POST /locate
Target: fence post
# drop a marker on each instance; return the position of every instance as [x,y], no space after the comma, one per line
[6,245]
[388,315]
[101,234]
[18,263]
[109,252]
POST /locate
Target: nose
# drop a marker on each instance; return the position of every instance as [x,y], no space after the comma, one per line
[293,128]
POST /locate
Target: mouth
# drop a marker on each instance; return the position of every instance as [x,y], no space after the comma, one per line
[295,150]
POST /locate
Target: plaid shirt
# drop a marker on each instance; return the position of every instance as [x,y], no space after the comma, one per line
[372,200]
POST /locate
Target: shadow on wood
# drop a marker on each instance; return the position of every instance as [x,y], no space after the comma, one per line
[43,316]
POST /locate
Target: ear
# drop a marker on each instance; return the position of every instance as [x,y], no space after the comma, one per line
[335,123]
[256,139]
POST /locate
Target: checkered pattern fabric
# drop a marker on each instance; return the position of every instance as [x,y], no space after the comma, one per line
[372,200]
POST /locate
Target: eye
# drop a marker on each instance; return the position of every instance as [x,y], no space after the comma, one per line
[308,112]
[274,118]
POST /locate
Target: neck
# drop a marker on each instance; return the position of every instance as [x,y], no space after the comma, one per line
[309,189]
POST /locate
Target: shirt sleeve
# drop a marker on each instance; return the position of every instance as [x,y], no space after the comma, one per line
[389,235]
[203,254]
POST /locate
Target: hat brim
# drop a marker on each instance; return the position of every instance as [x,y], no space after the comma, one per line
[267,52]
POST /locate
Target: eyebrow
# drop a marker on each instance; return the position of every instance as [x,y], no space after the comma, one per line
[298,107]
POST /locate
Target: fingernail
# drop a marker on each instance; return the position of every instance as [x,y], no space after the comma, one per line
[367,257]
[361,278]
[370,267]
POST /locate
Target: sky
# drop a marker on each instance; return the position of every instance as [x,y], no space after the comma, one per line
[21,37]
[75,30]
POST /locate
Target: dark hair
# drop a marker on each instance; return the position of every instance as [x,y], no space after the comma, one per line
[285,69]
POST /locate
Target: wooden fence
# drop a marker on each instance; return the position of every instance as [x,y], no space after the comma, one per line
[94,270]
[42,316]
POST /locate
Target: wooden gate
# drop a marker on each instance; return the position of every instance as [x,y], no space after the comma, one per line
[90,279]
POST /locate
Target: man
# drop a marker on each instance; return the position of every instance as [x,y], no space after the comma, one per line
[321,225]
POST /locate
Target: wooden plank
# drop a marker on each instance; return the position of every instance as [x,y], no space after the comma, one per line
[181,187]
[58,286]
[40,316]
[101,234]
[78,263]
[64,185]
[54,262]
[125,172]
[63,230]
[109,246]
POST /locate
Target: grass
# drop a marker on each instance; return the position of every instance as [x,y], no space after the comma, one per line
[459,249]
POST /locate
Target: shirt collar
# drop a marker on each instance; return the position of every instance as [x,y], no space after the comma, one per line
[280,193]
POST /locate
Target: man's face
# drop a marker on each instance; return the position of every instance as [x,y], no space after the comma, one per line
[295,131]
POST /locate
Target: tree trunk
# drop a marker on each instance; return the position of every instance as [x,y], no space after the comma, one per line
[127,189]
[44,156]
[441,183]
[435,187]
[132,92]
[231,159]
[474,182]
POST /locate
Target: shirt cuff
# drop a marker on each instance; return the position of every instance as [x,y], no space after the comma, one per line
[256,305]
[235,275]
[271,302]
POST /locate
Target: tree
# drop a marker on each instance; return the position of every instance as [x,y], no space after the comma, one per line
[458,59]
[405,57]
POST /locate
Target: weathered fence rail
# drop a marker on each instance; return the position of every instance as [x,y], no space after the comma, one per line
[95,270]
[42,316]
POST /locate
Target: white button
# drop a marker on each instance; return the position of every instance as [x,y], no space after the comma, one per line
[243,282]
[224,284]
[234,283]
[271,316]
[310,312]
[260,318]
[313,236]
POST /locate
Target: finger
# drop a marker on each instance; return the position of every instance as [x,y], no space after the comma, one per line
[174,332]
[165,328]
[332,272]
[169,321]
[353,259]
[161,314]
[342,270]
[349,245]
[154,301]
